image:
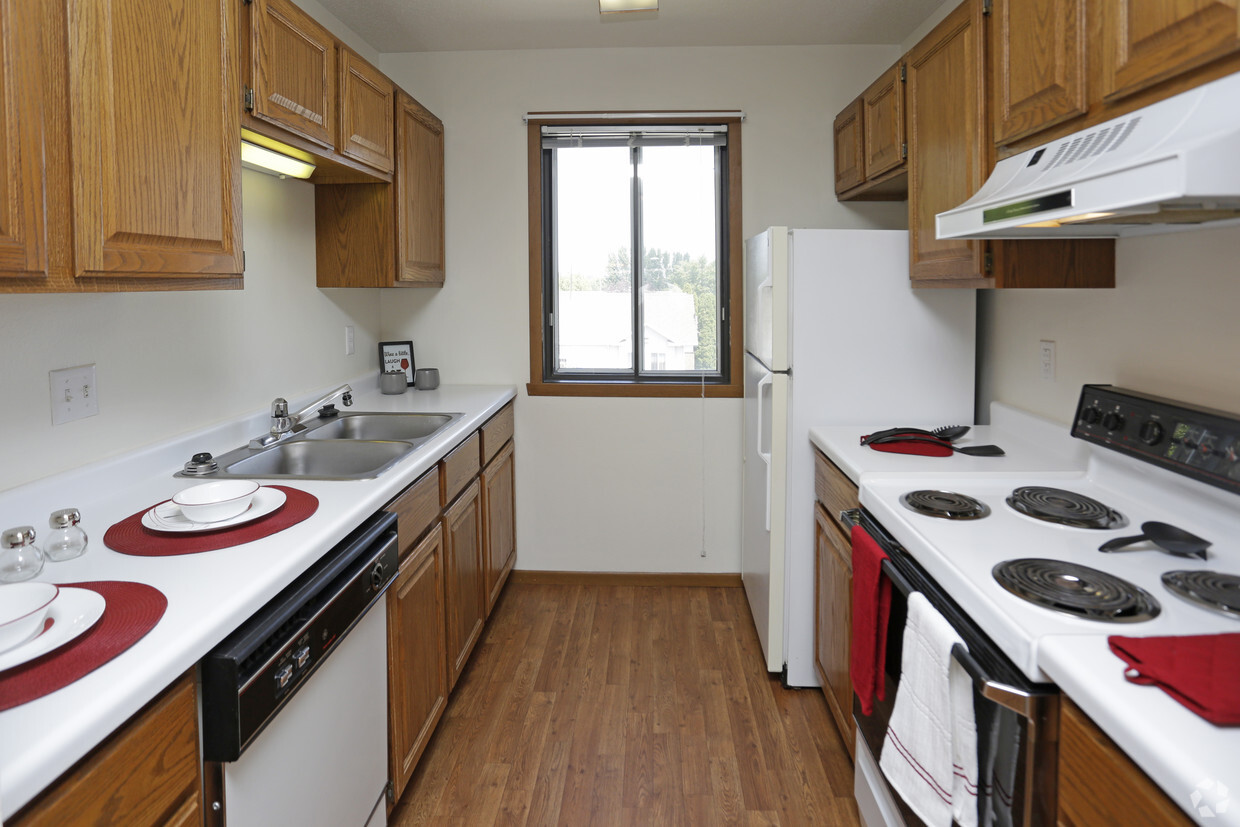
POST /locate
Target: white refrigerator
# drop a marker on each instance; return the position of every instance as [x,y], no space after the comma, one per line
[834,335]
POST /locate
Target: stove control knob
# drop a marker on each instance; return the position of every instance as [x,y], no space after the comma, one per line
[1151,432]
[1091,415]
[1113,421]
[284,676]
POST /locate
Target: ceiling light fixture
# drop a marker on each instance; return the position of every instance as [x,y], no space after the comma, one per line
[612,6]
[262,159]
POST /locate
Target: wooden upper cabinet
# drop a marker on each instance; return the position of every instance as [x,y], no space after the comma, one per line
[366,111]
[883,121]
[949,142]
[292,71]
[155,138]
[23,240]
[870,142]
[848,144]
[419,189]
[1143,43]
[1037,72]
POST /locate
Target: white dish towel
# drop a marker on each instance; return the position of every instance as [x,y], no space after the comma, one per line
[930,751]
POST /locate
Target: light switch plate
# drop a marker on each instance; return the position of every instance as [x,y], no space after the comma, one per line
[1046,355]
[348,340]
[74,394]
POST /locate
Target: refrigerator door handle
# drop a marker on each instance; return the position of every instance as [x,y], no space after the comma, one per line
[764,394]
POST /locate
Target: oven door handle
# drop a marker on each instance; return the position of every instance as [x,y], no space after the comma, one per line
[1025,704]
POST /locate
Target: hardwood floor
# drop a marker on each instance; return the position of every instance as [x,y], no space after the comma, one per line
[628,705]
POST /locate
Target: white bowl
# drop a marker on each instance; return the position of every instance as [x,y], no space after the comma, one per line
[22,609]
[215,501]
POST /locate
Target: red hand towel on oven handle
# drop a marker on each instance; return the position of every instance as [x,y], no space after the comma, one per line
[871,607]
[1202,672]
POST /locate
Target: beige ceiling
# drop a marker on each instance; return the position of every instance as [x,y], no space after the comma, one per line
[464,25]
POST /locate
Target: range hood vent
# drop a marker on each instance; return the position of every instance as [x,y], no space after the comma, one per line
[1173,165]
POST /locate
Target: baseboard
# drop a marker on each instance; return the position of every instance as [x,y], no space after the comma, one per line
[622,578]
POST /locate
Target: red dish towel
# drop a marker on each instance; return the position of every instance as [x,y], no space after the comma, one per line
[1200,671]
[871,607]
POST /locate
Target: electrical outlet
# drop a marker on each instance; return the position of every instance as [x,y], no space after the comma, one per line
[349,349]
[1046,355]
[74,394]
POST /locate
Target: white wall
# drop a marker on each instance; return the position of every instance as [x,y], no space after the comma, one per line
[168,363]
[613,485]
[1168,327]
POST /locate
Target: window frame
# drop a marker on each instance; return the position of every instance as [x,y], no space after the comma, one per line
[732,384]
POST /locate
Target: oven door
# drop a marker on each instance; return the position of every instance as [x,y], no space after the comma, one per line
[1017,720]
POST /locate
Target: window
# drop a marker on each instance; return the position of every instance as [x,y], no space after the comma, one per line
[663,322]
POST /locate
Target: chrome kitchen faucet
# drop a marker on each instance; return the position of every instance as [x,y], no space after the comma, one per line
[283,424]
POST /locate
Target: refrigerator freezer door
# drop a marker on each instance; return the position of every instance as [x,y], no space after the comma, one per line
[763,514]
[766,298]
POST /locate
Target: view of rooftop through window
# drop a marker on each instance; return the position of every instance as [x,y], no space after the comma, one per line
[670,192]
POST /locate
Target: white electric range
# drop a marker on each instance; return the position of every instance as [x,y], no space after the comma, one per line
[1118,474]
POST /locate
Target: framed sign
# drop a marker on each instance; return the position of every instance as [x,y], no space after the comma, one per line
[397,356]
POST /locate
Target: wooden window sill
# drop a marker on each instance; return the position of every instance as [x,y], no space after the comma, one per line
[635,389]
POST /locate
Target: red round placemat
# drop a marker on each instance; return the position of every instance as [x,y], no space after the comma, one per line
[129,536]
[131,610]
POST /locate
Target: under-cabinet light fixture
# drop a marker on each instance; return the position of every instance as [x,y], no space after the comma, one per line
[262,159]
[610,6]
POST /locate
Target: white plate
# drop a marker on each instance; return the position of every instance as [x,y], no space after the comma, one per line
[167,516]
[72,613]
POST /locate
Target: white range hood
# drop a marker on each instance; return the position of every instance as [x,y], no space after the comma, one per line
[1174,165]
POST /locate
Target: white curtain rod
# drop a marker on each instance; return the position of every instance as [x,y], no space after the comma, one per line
[627,116]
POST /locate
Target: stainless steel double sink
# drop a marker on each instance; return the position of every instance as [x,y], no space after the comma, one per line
[348,446]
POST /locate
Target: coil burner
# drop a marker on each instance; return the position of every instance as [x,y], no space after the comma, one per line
[944,504]
[1208,589]
[1076,590]
[1055,505]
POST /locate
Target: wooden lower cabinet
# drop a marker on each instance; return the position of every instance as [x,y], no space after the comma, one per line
[1099,784]
[499,522]
[417,663]
[146,773]
[833,621]
[464,588]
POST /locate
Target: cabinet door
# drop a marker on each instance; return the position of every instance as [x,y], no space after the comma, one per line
[948,142]
[23,241]
[833,621]
[463,584]
[417,667]
[1144,42]
[367,107]
[419,194]
[883,119]
[145,774]
[292,70]
[849,148]
[155,132]
[1037,71]
[499,513]
[1099,784]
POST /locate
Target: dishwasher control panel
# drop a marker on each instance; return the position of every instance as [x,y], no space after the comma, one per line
[249,677]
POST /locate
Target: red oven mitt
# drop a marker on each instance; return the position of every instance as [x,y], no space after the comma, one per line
[871,607]
[1202,672]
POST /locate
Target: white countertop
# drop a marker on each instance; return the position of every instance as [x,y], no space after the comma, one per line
[1175,747]
[1010,431]
[209,594]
